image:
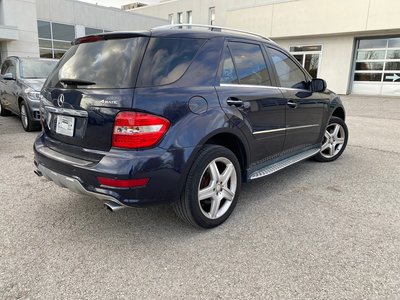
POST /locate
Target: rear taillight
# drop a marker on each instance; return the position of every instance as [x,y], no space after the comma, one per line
[138,130]
[123,183]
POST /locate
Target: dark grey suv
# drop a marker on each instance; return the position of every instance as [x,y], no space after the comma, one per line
[20,84]
[181,116]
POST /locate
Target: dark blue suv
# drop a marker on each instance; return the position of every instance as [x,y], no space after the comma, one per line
[181,116]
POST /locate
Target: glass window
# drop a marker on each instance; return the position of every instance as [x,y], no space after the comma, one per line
[369,66]
[61,45]
[289,74]
[311,63]
[36,68]
[369,55]
[250,64]
[211,16]
[166,60]
[299,57]
[4,67]
[89,31]
[370,44]
[305,48]
[63,32]
[368,76]
[394,43]
[391,77]
[189,17]
[393,54]
[45,43]
[12,69]
[109,63]
[171,18]
[46,53]
[44,29]
[393,66]
[59,53]
[228,70]
[180,18]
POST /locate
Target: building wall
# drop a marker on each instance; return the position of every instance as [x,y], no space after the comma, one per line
[15,16]
[90,15]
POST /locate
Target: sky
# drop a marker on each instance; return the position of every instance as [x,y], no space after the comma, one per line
[118,3]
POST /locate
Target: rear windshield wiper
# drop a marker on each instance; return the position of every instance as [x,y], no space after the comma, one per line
[71,81]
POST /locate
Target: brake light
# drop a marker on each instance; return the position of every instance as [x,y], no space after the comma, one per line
[123,183]
[88,39]
[138,130]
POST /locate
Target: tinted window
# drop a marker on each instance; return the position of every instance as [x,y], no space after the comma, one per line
[250,64]
[109,64]
[63,32]
[228,70]
[289,74]
[166,60]
[36,68]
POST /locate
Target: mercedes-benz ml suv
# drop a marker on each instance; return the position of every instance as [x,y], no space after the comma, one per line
[181,116]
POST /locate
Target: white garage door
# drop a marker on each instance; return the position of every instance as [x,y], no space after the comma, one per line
[377,67]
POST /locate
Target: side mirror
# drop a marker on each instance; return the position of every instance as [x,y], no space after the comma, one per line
[318,85]
[8,76]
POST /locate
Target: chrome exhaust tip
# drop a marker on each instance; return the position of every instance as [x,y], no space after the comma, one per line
[112,206]
[38,173]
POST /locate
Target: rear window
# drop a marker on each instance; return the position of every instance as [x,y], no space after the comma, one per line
[106,64]
[166,60]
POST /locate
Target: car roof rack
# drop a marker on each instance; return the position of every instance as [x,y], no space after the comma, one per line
[212,28]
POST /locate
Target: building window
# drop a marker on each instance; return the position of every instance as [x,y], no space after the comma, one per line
[211,16]
[180,18]
[309,57]
[171,18]
[89,30]
[54,38]
[189,17]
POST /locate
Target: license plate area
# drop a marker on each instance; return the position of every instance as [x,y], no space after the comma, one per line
[65,125]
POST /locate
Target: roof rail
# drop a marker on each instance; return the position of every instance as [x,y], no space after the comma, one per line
[212,28]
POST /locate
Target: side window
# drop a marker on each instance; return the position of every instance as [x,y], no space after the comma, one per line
[250,64]
[290,75]
[12,69]
[228,70]
[4,67]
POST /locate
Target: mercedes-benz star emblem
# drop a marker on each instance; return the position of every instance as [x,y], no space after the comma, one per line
[60,100]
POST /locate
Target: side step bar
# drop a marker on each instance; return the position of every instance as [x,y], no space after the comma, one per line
[283,164]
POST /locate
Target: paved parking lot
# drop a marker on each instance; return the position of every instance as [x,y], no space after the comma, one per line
[321,231]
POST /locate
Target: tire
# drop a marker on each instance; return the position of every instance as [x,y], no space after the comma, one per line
[4,112]
[334,141]
[219,193]
[27,123]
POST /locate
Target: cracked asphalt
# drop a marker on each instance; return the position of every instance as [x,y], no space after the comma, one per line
[313,230]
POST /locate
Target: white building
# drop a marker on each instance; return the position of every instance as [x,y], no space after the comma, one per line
[46,27]
[353,44]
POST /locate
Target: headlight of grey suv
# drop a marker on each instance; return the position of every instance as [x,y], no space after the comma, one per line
[32,94]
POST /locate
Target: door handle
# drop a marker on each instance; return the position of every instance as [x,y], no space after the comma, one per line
[291,104]
[235,102]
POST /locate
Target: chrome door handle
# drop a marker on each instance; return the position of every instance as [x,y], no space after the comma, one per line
[291,104]
[235,102]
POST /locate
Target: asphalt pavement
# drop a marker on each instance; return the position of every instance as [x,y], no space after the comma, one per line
[311,231]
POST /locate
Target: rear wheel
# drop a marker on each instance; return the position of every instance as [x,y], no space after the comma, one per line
[212,188]
[27,123]
[3,111]
[334,141]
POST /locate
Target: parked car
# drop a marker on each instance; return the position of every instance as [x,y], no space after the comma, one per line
[181,116]
[20,84]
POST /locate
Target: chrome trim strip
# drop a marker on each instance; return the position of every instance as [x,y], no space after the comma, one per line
[249,86]
[74,185]
[286,128]
[300,127]
[62,157]
[66,111]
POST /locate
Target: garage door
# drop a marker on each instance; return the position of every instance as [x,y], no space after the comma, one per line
[377,67]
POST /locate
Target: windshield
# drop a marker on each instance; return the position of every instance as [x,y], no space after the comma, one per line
[100,64]
[31,69]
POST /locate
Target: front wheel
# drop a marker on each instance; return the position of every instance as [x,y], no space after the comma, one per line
[27,123]
[212,188]
[334,141]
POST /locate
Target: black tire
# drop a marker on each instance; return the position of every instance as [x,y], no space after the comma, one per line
[333,144]
[224,194]
[27,123]
[4,112]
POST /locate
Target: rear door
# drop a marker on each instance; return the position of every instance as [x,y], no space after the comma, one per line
[304,109]
[247,92]
[93,82]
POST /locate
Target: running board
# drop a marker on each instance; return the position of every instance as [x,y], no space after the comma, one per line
[283,164]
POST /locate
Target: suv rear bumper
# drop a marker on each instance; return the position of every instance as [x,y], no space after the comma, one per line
[164,168]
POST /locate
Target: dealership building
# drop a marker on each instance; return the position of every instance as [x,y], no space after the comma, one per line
[354,45]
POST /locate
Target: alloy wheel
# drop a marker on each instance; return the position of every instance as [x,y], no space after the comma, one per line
[24,116]
[333,142]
